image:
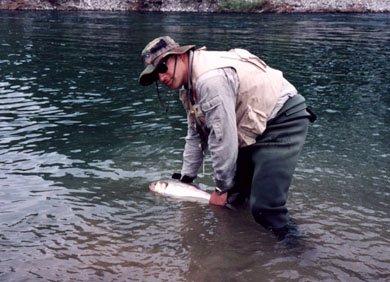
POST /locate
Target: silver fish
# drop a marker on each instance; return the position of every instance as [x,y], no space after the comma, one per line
[179,190]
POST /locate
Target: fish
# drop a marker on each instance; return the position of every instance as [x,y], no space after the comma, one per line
[179,190]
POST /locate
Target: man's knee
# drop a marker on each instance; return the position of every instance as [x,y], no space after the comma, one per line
[267,216]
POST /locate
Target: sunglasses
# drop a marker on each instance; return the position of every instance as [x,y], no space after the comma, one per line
[162,67]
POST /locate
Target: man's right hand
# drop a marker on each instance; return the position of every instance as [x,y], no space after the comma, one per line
[218,199]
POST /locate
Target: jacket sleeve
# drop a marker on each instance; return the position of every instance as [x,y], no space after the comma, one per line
[193,154]
[217,92]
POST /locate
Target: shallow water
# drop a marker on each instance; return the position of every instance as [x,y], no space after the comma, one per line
[80,141]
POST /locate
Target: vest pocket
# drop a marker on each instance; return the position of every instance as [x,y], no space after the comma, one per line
[213,103]
[213,122]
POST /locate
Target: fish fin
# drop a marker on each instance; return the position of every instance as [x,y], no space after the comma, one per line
[230,207]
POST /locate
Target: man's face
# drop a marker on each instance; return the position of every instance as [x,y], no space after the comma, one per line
[176,72]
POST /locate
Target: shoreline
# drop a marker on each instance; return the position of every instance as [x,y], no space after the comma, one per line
[205,6]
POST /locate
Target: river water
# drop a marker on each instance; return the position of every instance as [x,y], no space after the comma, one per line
[80,140]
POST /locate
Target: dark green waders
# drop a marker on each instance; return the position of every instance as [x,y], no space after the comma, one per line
[265,169]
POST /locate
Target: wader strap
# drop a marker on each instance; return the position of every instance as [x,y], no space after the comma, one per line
[294,108]
[313,116]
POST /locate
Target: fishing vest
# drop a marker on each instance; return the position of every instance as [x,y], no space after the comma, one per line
[259,88]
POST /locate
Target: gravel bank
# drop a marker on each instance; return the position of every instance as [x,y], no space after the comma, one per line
[278,6]
[330,6]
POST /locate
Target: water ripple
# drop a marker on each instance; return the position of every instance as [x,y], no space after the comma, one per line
[80,141]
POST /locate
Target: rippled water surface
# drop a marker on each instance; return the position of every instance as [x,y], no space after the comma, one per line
[80,141]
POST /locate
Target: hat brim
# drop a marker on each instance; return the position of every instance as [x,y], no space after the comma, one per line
[149,75]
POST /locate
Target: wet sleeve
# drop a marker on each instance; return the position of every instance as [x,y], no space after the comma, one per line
[217,97]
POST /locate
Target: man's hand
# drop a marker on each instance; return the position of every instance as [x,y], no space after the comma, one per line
[218,199]
[184,178]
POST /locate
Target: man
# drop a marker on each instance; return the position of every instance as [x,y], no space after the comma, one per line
[246,114]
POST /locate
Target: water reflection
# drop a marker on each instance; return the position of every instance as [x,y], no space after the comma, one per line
[80,140]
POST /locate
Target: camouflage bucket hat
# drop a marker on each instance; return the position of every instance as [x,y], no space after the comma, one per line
[153,54]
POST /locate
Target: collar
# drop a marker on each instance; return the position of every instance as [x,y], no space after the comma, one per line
[190,63]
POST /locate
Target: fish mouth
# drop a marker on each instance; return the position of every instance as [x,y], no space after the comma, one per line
[152,186]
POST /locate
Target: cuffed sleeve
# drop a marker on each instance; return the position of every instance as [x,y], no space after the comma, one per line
[193,154]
